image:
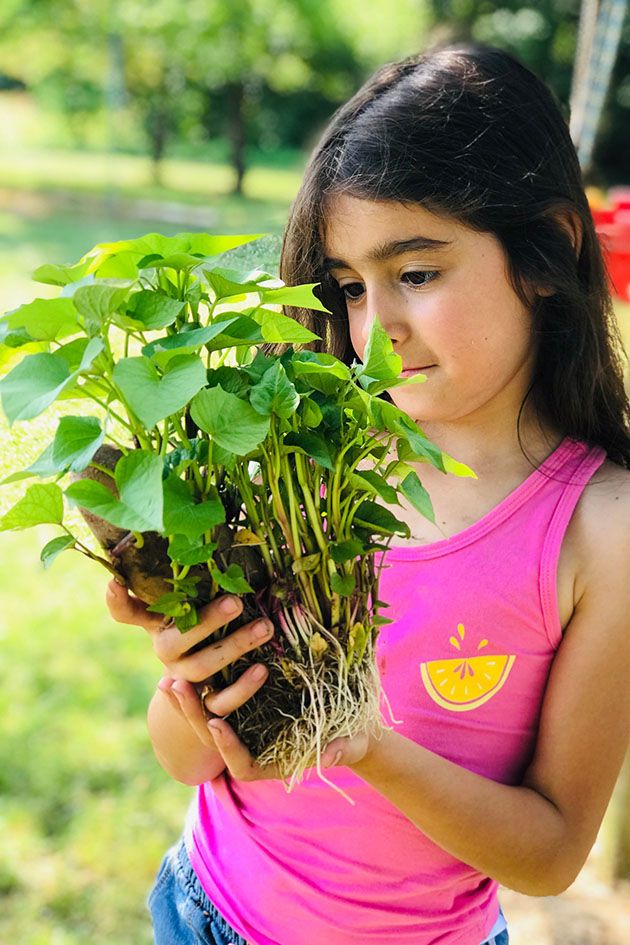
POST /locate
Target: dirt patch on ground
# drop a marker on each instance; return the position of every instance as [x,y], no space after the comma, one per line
[588,913]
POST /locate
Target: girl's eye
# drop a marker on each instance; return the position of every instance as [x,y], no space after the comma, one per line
[424,277]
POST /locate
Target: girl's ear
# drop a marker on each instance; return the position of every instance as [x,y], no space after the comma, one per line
[572,224]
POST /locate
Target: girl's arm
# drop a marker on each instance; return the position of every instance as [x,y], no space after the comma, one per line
[535,838]
[178,746]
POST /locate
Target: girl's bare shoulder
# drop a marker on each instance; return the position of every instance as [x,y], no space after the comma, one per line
[600,526]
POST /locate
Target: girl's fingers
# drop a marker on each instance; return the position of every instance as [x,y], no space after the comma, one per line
[191,708]
[234,696]
[165,685]
[127,609]
[171,645]
[215,656]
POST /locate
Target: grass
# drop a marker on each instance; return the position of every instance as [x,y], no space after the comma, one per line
[86,811]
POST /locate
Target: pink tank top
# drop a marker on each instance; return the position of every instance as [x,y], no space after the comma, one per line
[464,666]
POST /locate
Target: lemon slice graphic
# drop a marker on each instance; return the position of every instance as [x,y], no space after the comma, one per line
[462,684]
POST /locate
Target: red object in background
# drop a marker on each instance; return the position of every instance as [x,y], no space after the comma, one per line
[613,229]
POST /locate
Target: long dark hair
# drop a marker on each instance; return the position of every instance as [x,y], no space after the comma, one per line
[470,133]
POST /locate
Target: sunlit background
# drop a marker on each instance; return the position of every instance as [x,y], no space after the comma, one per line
[117,119]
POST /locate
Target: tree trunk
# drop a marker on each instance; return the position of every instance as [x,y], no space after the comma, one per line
[158,133]
[237,131]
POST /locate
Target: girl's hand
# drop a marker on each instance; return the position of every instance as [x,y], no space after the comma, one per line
[241,765]
[183,668]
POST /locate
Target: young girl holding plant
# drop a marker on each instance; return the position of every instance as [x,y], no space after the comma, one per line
[446,198]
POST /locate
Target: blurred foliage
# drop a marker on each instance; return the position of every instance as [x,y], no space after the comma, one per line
[263,74]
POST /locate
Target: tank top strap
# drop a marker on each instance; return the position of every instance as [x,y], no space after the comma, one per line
[575,473]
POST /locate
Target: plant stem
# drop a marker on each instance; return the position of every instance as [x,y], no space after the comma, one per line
[84,550]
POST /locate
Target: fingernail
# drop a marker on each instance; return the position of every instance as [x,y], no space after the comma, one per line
[229,605]
[215,728]
[331,764]
[258,672]
[262,629]
[165,683]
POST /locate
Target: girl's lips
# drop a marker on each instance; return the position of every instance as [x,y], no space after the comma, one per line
[410,371]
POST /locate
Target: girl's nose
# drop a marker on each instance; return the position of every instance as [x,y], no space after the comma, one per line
[384,305]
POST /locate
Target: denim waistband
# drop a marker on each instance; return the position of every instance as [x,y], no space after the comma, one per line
[222,931]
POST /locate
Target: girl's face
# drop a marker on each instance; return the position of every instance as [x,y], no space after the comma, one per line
[444,302]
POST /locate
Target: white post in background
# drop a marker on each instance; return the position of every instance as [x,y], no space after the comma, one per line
[583,52]
[591,86]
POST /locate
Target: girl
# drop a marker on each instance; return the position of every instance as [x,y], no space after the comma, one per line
[446,198]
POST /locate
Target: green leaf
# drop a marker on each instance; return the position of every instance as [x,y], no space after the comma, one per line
[300,296]
[76,441]
[229,283]
[183,551]
[323,371]
[313,445]
[380,365]
[152,310]
[151,397]
[341,551]
[121,258]
[458,469]
[412,443]
[50,551]
[186,341]
[230,421]
[307,563]
[33,385]
[97,304]
[44,467]
[232,580]
[171,604]
[276,327]
[138,478]
[44,319]
[342,584]
[40,505]
[232,380]
[412,488]
[184,516]
[60,275]
[40,379]
[274,393]
[376,484]
[243,331]
[378,519]
[177,261]
[311,413]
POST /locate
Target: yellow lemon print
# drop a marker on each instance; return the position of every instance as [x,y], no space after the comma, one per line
[462,684]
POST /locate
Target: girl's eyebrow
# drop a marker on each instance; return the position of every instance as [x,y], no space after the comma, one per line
[393,248]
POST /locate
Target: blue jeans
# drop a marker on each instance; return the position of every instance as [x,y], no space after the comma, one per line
[182,914]
[501,939]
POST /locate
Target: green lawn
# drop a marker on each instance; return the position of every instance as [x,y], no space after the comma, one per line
[86,812]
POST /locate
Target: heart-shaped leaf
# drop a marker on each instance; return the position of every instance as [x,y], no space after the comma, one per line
[184,516]
[138,478]
[151,397]
[232,422]
[50,551]
[76,441]
[274,393]
[40,505]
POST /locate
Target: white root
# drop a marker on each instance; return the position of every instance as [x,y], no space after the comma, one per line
[330,709]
